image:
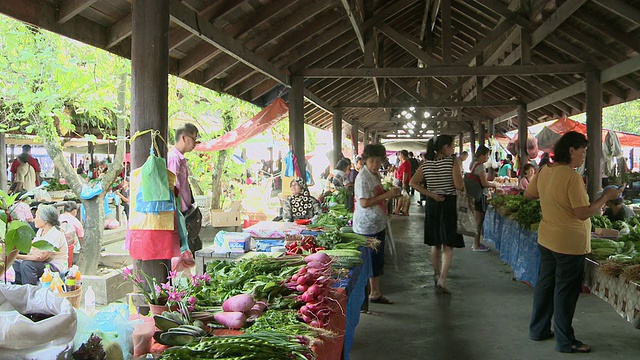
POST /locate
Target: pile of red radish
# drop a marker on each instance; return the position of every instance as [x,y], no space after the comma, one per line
[314,282]
[238,310]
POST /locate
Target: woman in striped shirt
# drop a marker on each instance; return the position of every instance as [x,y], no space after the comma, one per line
[440,174]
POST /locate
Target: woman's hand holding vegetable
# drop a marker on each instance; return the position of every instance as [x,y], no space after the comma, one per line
[393,192]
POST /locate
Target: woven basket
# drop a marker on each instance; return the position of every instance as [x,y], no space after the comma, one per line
[74,297]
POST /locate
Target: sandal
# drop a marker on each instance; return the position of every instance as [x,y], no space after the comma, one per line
[381,300]
[579,347]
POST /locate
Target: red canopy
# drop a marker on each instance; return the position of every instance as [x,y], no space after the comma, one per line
[265,119]
[564,125]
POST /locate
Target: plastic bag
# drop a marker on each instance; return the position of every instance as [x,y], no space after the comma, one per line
[89,192]
[112,324]
[148,221]
[155,184]
[182,231]
[22,338]
[466,217]
[154,207]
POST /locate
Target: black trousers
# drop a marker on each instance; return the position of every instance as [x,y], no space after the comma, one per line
[556,294]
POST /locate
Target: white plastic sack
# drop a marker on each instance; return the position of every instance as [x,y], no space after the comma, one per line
[21,338]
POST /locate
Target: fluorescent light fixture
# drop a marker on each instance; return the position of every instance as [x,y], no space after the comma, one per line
[424,126]
[404,112]
[410,125]
[408,116]
[426,114]
[413,122]
[411,132]
[412,108]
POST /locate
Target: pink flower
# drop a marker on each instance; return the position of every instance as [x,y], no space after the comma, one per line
[166,286]
[192,300]
[176,295]
[205,277]
[195,282]
[172,275]
[157,289]
[126,273]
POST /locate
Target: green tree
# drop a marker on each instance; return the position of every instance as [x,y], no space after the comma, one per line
[622,117]
[51,84]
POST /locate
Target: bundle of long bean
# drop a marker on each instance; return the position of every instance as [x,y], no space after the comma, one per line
[256,346]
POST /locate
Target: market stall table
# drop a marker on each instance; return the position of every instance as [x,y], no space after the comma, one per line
[518,248]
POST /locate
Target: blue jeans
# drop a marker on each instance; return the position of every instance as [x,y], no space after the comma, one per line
[556,294]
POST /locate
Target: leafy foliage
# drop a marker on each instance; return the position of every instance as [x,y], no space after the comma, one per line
[621,117]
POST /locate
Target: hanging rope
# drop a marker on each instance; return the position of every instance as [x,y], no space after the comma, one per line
[154,144]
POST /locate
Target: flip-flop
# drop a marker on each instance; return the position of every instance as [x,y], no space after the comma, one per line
[381,300]
[579,347]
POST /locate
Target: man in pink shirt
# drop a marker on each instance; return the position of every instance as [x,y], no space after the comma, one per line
[186,140]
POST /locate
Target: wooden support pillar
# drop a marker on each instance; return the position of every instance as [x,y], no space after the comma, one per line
[296,120]
[522,135]
[472,140]
[461,143]
[354,135]
[149,92]
[594,133]
[337,134]
[3,162]
[376,138]
[366,136]
[481,133]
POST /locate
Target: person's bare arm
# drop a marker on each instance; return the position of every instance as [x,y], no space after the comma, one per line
[373,201]
[585,212]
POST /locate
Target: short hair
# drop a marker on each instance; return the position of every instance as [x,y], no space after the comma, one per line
[509,157]
[186,129]
[411,153]
[481,150]
[69,206]
[26,148]
[464,153]
[374,150]
[528,166]
[572,139]
[404,153]
[49,214]
[342,165]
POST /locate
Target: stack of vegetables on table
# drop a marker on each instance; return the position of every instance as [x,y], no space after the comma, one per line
[257,308]
[525,212]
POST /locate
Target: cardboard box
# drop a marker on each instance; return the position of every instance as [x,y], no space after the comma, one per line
[225,242]
[229,217]
[609,233]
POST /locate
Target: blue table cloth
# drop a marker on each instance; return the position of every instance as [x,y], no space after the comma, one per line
[518,247]
[355,289]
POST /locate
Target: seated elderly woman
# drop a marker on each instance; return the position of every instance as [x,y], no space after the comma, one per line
[300,205]
[29,267]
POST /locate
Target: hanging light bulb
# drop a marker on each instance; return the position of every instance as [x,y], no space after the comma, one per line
[412,108]
[404,112]
[426,114]
[424,126]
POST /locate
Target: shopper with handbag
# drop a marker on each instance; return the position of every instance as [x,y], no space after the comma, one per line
[478,186]
[438,178]
[186,140]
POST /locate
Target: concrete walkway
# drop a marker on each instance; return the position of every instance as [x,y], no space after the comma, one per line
[486,317]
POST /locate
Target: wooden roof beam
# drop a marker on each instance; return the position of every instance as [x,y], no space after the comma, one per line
[432,105]
[191,21]
[119,31]
[444,71]
[71,8]
[550,25]
[503,10]
[407,45]
[609,74]
[620,8]
[355,18]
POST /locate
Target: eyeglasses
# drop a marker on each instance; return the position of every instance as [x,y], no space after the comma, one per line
[194,138]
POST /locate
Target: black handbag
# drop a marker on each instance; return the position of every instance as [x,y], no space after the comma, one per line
[472,185]
[193,220]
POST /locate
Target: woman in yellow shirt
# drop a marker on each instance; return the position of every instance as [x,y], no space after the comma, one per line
[563,240]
